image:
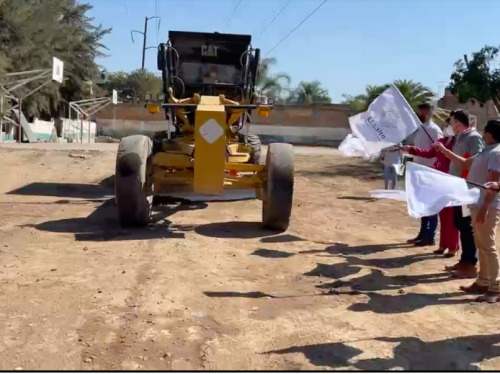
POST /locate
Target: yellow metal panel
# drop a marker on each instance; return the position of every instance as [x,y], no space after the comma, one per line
[244,167]
[173,160]
[210,100]
[163,177]
[242,157]
[210,148]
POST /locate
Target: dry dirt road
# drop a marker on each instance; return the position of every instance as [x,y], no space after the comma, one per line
[204,287]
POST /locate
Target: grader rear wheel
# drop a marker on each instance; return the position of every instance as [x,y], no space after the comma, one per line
[277,194]
[134,206]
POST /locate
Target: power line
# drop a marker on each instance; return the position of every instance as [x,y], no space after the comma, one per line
[296,27]
[157,11]
[232,13]
[274,19]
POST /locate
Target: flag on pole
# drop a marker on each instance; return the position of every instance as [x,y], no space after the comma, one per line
[388,120]
[352,147]
[428,191]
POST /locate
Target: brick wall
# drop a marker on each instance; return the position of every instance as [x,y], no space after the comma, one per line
[309,125]
[321,115]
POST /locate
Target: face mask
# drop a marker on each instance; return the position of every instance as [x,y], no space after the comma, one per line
[448,131]
[421,118]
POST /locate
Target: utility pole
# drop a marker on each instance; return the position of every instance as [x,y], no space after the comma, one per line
[144,42]
[144,48]
[145,38]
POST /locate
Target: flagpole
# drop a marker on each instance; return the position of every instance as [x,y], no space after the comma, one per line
[476,184]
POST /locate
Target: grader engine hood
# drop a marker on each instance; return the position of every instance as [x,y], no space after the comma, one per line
[206,58]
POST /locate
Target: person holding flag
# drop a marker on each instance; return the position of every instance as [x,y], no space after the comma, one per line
[484,169]
[427,134]
[448,233]
[468,143]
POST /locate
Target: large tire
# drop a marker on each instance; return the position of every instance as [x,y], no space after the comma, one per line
[277,192]
[134,206]
[254,142]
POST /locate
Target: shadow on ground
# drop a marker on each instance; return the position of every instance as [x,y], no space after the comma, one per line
[357,198]
[65,190]
[363,170]
[272,253]
[409,353]
[285,238]
[346,249]
[233,230]
[103,225]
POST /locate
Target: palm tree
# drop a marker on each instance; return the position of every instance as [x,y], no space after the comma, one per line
[415,93]
[270,84]
[362,101]
[309,93]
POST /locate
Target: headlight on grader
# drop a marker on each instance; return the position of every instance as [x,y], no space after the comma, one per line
[154,108]
[263,110]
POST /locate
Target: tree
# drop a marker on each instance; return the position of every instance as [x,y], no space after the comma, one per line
[33,31]
[309,93]
[415,93]
[361,102]
[477,80]
[269,84]
[134,85]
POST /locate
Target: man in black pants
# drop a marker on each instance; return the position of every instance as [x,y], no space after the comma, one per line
[468,143]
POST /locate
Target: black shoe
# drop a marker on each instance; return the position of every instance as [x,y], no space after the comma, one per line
[425,242]
[414,240]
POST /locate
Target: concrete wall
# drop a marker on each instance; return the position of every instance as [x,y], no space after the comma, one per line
[312,125]
[79,131]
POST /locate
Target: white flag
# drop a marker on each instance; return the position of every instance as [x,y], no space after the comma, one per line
[352,147]
[388,120]
[428,191]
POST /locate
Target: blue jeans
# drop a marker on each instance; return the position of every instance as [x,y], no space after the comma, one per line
[428,226]
[390,176]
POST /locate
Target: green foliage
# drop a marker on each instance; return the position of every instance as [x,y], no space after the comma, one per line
[269,84]
[33,31]
[309,93]
[415,93]
[478,80]
[134,85]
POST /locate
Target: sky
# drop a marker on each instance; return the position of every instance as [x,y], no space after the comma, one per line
[346,44]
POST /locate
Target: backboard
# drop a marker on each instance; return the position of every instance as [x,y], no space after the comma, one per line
[57,70]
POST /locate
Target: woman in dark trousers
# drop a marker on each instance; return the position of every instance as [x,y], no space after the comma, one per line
[448,234]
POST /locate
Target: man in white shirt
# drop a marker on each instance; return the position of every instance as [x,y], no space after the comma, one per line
[426,136]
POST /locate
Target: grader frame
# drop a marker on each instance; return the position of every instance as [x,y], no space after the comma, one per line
[208,157]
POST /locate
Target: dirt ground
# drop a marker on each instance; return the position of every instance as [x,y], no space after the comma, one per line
[204,287]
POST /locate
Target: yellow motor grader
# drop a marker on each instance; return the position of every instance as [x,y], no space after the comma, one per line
[207,153]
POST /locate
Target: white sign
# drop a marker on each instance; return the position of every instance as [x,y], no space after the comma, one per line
[388,120]
[428,191]
[57,70]
[115,97]
[211,131]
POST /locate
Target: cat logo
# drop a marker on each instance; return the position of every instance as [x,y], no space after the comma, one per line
[209,50]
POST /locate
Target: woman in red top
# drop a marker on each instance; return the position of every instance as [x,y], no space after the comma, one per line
[448,232]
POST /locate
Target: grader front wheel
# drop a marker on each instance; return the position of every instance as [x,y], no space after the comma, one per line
[277,194]
[134,205]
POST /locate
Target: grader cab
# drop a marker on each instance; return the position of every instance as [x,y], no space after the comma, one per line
[207,152]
